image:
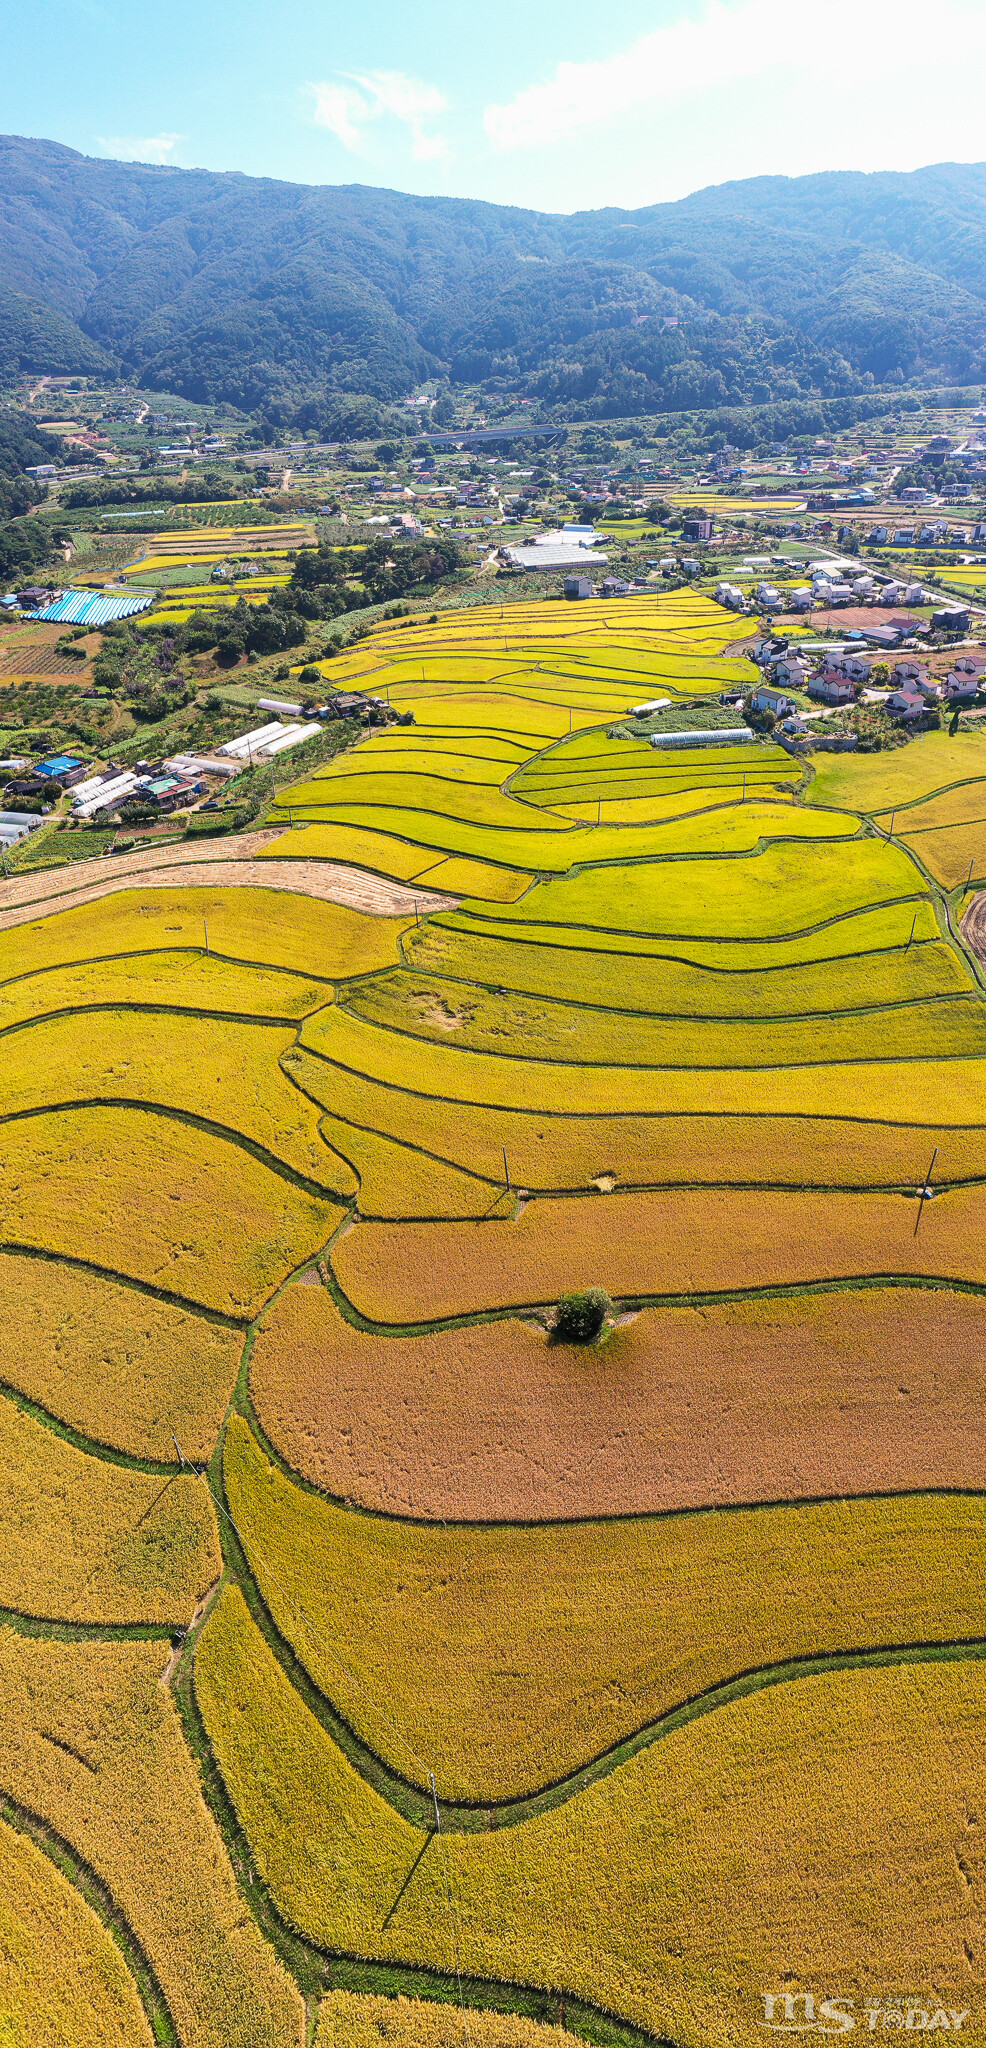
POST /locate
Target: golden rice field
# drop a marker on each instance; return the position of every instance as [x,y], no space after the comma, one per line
[63,1977]
[82,1539]
[313,1518]
[112,1362]
[667,1890]
[559,1642]
[351,2020]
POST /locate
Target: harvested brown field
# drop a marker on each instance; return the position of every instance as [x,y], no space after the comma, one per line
[843,1393]
[30,896]
[29,652]
[974,924]
[706,1242]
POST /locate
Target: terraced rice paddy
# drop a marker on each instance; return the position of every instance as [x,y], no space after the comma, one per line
[316,1531]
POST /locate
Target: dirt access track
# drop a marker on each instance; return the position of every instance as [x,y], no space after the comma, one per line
[973,925]
[233,862]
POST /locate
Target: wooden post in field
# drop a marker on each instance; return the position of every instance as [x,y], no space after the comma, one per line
[206,930]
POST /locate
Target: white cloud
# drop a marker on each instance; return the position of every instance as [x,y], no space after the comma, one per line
[140,149]
[807,68]
[348,107]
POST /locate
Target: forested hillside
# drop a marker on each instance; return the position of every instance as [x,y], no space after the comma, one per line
[282,296]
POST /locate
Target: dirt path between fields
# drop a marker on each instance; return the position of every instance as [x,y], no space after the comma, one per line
[973,925]
[233,864]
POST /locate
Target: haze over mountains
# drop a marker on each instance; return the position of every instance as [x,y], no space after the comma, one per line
[290,297]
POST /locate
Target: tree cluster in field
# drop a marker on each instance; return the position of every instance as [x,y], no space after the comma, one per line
[321,583]
[199,490]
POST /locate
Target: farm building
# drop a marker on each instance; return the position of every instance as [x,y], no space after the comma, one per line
[92,607]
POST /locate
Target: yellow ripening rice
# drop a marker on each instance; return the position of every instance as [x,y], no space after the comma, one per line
[271,928]
[347,2019]
[403,1143]
[872,783]
[136,1193]
[525,1652]
[83,1539]
[672,1891]
[62,1976]
[671,987]
[93,1744]
[113,1363]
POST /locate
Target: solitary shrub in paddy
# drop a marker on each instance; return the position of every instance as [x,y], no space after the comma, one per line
[580,1317]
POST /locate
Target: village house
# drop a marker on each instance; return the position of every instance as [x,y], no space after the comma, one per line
[905,706]
[828,687]
[789,672]
[960,689]
[765,699]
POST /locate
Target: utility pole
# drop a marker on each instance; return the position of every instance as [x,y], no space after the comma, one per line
[506,1168]
[914,920]
[926,1192]
[206,930]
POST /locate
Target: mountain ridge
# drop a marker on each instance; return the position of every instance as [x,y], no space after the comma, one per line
[280,296]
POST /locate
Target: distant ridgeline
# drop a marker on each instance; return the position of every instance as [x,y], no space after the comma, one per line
[319,304]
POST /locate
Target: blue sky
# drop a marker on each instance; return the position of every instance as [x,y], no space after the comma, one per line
[556,104]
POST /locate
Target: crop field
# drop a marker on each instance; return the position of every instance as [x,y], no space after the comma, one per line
[626,1893]
[735,1402]
[384,1659]
[350,2020]
[111,1362]
[82,1539]
[217,1229]
[663,1245]
[63,1976]
[538,1685]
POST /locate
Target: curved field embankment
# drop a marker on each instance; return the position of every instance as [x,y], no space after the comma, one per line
[526,1652]
[616,1895]
[662,1246]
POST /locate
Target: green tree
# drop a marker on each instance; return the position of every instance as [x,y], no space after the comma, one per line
[580,1317]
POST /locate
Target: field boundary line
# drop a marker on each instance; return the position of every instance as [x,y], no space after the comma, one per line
[790,1290]
[413,1800]
[100,1900]
[224,1133]
[129,1461]
[168,1295]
